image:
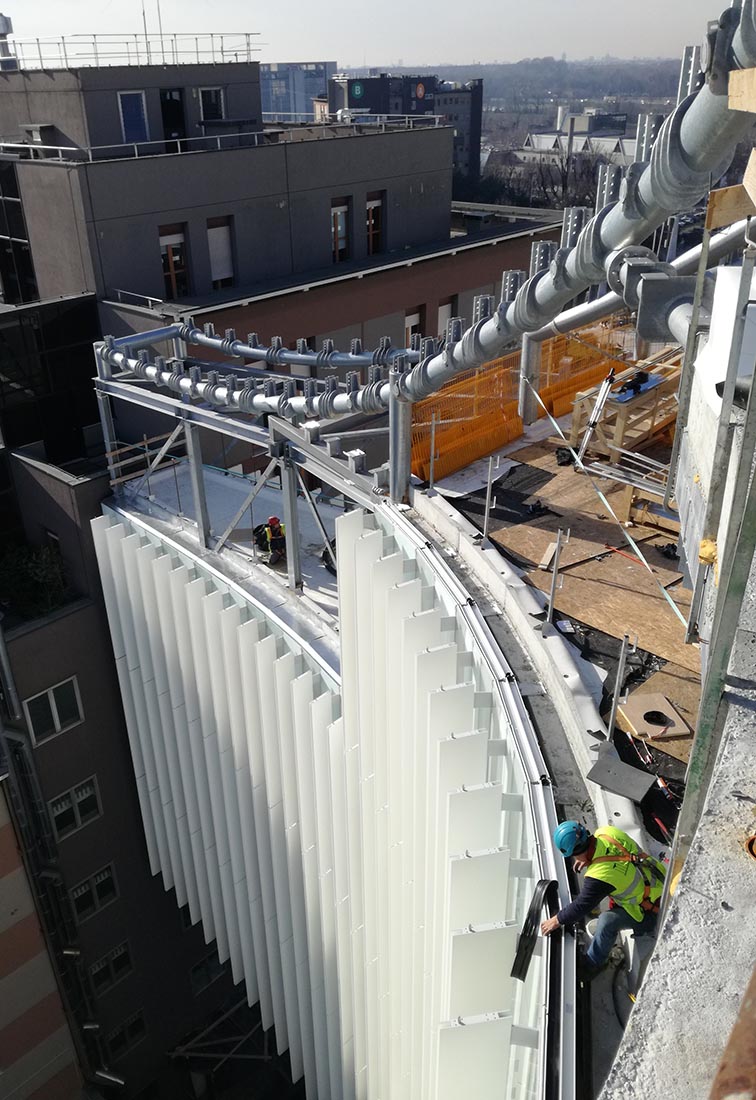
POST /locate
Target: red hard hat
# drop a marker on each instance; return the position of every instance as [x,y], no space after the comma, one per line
[273,521]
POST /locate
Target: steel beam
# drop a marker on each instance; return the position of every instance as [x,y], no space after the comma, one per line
[247,503]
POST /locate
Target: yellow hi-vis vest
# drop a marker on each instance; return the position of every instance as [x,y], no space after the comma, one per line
[636,877]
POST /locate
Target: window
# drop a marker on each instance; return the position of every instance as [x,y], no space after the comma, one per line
[53,711]
[133,116]
[111,968]
[126,1036]
[94,893]
[413,325]
[206,972]
[174,257]
[219,243]
[75,808]
[212,105]
[340,230]
[374,219]
[445,314]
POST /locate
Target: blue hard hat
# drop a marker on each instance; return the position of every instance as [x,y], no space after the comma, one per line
[571,838]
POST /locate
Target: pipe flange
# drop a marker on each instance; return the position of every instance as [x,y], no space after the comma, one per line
[629,196]
[526,311]
[558,269]
[369,397]
[210,393]
[674,183]
[616,260]
[420,384]
[471,345]
[174,381]
[326,404]
[245,398]
[590,251]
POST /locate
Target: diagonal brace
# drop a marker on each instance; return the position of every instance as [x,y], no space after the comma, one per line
[316,517]
[247,501]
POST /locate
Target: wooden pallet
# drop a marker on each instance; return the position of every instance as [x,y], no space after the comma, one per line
[632,423]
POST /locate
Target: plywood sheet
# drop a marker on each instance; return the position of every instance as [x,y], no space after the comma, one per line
[529,542]
[618,596]
[683,688]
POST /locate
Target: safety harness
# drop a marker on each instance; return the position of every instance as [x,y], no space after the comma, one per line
[645,870]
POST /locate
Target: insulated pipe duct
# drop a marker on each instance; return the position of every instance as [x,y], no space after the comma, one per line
[694,147]
[721,245]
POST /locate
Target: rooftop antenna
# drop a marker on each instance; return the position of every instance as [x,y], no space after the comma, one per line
[144,23]
[160,28]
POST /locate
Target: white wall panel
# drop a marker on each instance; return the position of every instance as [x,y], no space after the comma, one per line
[474,1058]
[351,857]
[482,958]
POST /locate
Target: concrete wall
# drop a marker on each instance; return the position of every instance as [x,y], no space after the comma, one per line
[51,97]
[82,104]
[278,196]
[36,1048]
[54,211]
[75,642]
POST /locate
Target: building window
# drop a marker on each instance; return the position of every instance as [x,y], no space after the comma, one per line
[340,230]
[206,972]
[125,1037]
[74,809]
[174,256]
[445,313]
[219,243]
[413,324]
[17,279]
[111,968]
[374,220]
[133,116]
[53,711]
[212,105]
[94,893]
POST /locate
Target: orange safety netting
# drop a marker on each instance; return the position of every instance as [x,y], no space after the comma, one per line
[477,412]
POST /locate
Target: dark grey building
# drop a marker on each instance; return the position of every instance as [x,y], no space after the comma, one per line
[289,87]
[459,105]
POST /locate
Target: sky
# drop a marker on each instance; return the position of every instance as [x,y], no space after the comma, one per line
[394,32]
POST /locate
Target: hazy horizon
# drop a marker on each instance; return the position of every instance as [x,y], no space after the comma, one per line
[403,36]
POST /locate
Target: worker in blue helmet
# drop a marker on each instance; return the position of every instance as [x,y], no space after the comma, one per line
[617,868]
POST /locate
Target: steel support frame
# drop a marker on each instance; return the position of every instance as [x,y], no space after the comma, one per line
[194,452]
[287,465]
[247,503]
[316,516]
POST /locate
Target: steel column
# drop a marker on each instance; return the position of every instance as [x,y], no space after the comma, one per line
[198,483]
[289,485]
[400,441]
[530,372]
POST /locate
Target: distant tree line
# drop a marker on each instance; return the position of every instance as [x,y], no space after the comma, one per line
[534,81]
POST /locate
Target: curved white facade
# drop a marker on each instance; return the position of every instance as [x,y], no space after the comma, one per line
[361,842]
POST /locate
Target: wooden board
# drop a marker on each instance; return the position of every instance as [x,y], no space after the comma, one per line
[741,90]
[617,596]
[682,688]
[529,542]
[749,179]
[728,205]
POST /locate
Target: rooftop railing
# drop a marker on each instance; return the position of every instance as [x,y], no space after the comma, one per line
[213,142]
[79,51]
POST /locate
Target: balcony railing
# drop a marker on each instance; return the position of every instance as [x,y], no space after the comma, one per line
[215,142]
[79,51]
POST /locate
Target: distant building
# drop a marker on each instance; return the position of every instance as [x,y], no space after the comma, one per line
[460,105]
[590,133]
[288,88]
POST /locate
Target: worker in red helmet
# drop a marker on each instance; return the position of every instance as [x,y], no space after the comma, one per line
[275,537]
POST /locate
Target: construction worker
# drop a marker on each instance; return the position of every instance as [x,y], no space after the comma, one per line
[275,539]
[615,867]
